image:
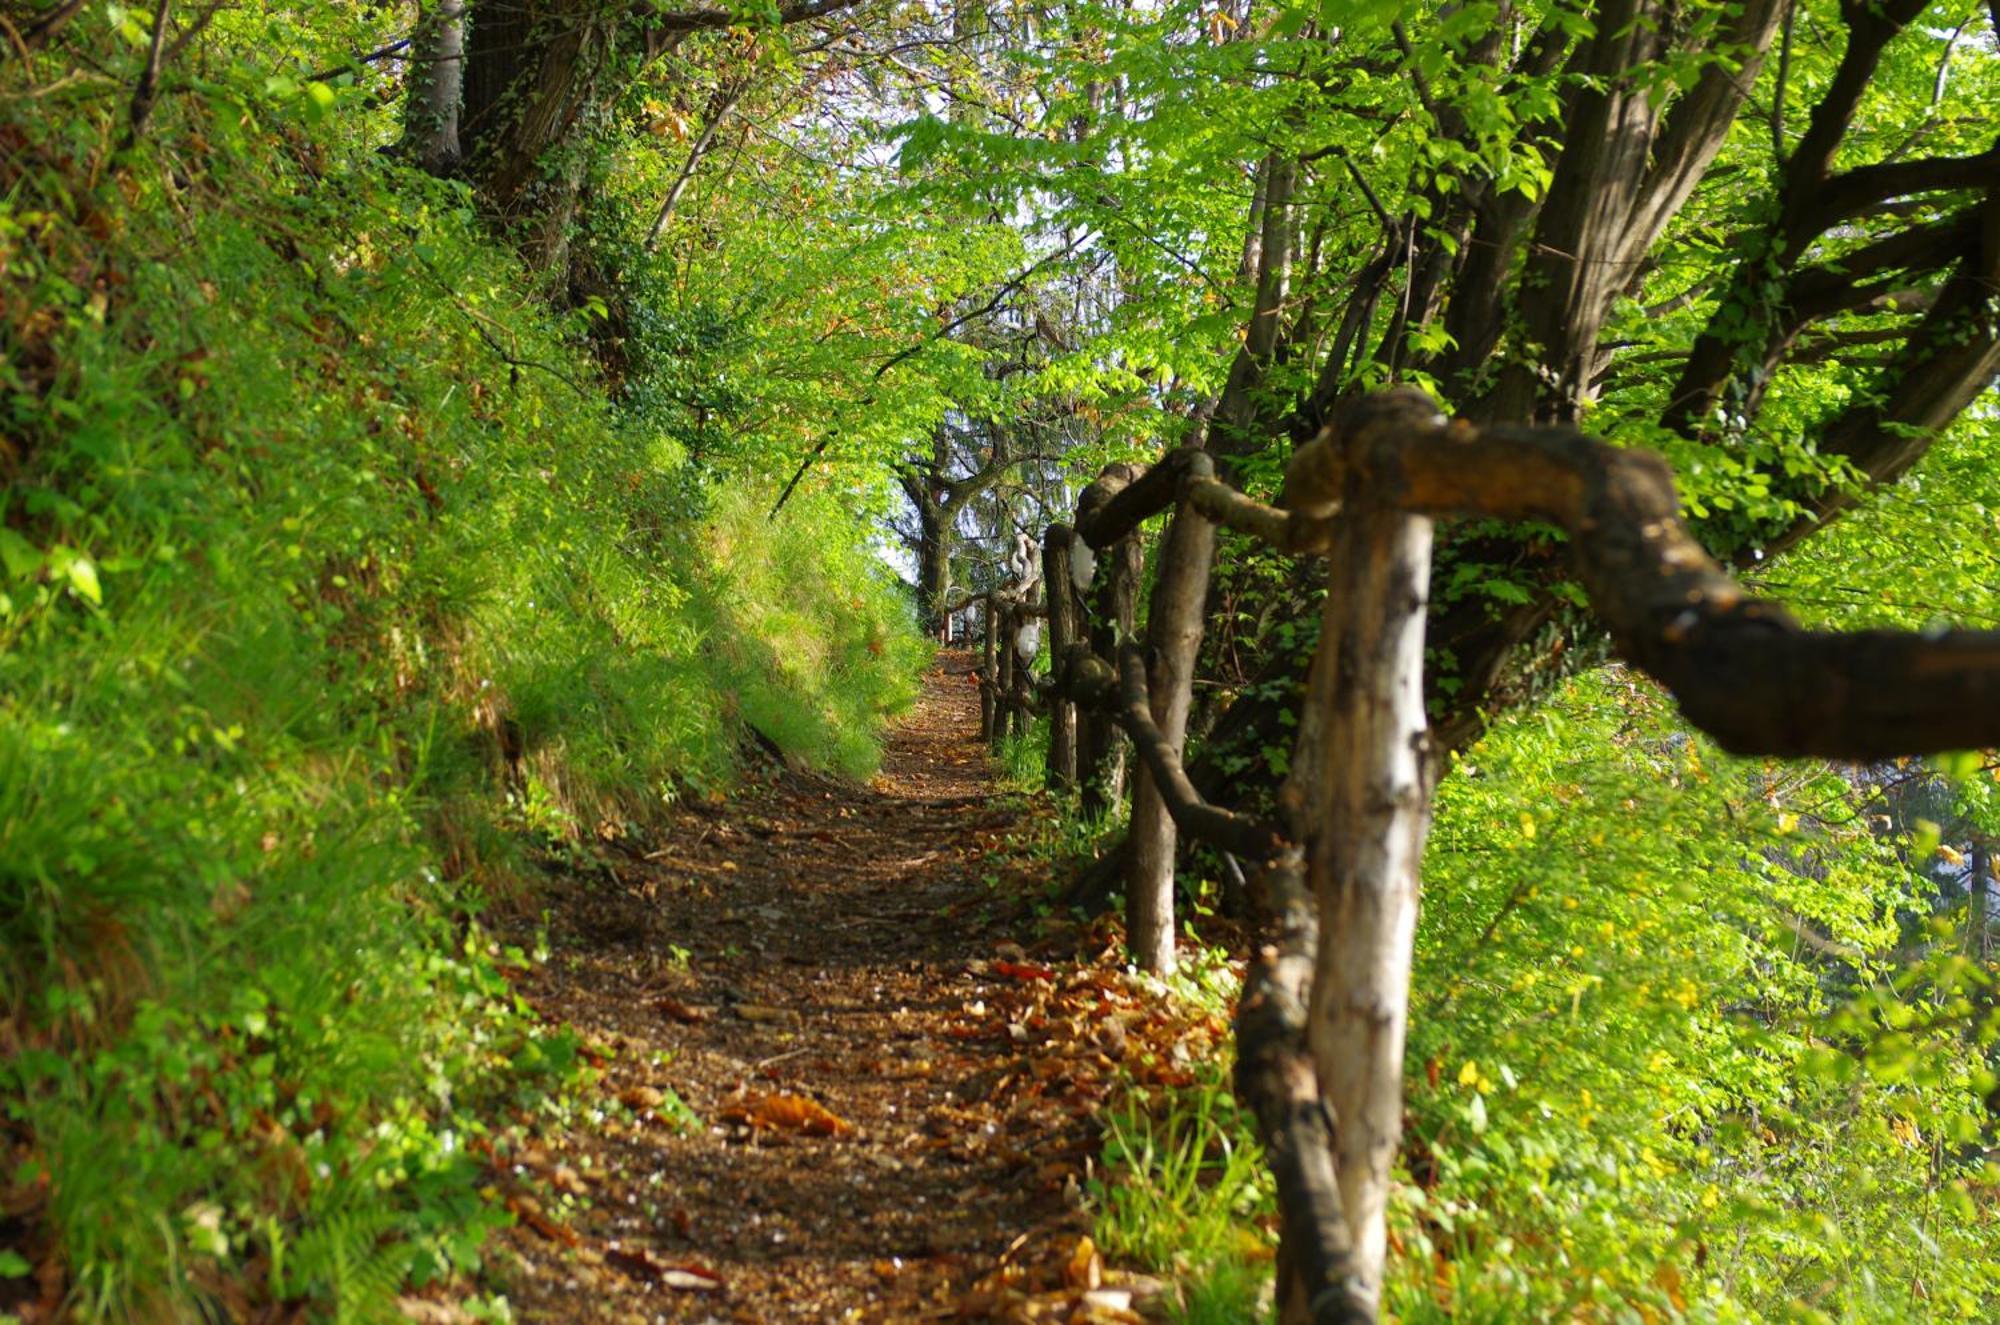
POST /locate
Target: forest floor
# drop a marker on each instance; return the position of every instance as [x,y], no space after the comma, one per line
[847,1074]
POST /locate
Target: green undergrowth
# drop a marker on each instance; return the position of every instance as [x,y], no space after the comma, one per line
[1185,1193]
[329,585]
[1691,1039]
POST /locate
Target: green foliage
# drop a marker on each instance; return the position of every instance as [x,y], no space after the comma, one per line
[1628,1084]
[1184,1182]
[1686,1044]
[1023,758]
[329,584]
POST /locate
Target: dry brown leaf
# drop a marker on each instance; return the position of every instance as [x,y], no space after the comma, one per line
[1085,1269]
[529,1211]
[685,1013]
[788,1113]
[643,1263]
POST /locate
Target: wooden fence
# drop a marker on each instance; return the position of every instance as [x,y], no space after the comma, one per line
[1320,1025]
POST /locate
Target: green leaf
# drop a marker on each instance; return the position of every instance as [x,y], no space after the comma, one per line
[1958,765]
[83,578]
[20,558]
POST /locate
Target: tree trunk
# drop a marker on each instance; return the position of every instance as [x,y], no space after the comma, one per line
[719,106]
[989,620]
[1187,554]
[1003,678]
[437,83]
[1367,825]
[532,72]
[934,549]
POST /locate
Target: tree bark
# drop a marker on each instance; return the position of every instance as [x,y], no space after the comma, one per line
[532,74]
[1101,768]
[1111,588]
[1173,637]
[934,549]
[989,674]
[437,88]
[1003,678]
[1370,818]
[1064,622]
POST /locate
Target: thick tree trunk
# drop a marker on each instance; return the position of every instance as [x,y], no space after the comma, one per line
[437,82]
[934,549]
[532,84]
[1367,828]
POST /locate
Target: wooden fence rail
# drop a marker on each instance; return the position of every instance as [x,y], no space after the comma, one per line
[1321,1021]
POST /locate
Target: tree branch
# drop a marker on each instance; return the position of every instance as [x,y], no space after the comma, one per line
[1011,285]
[1742,669]
[702,20]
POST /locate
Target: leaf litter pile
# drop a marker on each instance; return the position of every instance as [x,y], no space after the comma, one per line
[843,1074]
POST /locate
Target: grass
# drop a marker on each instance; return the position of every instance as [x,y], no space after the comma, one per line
[1186,1193]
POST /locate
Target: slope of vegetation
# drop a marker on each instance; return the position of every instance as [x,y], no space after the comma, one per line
[333,583]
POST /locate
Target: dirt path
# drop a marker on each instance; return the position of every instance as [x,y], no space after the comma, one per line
[888,1099]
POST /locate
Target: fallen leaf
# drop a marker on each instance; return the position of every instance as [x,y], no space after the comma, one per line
[788,1113]
[1085,1269]
[1022,971]
[685,1013]
[642,1097]
[426,1312]
[529,1211]
[645,1264]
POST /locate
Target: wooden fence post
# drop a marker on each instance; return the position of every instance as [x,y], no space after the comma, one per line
[988,677]
[1113,618]
[1111,591]
[1173,638]
[1003,675]
[1064,613]
[1021,711]
[1366,830]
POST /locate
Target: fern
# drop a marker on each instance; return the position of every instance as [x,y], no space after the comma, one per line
[352,1260]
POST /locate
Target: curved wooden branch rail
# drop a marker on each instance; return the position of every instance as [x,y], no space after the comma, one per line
[1240,834]
[1742,668]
